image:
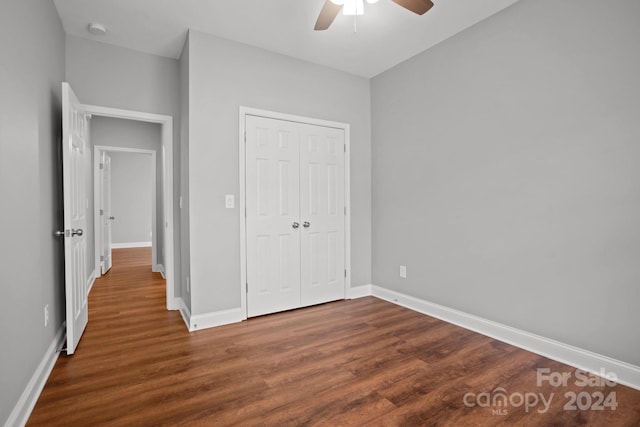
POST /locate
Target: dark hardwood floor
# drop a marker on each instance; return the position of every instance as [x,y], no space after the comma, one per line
[357,362]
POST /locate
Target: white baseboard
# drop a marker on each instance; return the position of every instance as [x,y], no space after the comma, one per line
[208,320]
[184,312]
[91,281]
[359,292]
[174,304]
[131,245]
[217,318]
[158,268]
[627,374]
[21,412]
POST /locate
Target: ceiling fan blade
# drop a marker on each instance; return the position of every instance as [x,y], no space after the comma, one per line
[327,15]
[416,6]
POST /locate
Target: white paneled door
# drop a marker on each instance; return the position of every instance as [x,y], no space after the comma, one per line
[75,139]
[295,220]
[105,212]
[322,210]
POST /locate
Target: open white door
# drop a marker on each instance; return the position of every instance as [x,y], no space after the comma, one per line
[75,137]
[105,212]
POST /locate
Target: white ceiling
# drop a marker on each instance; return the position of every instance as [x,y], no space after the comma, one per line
[387,34]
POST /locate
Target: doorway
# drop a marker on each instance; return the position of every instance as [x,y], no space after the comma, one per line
[166,174]
[125,195]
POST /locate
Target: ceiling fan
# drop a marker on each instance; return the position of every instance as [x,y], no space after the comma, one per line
[331,8]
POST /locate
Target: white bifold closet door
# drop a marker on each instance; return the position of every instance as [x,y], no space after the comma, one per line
[295,202]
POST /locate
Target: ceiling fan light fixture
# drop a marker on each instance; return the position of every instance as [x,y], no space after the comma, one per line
[353,7]
[331,9]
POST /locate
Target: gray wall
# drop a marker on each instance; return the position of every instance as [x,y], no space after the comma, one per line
[224,76]
[31,259]
[131,190]
[505,173]
[111,76]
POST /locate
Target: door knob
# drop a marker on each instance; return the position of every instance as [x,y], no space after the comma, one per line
[295,225]
[306,224]
[112,218]
[59,233]
[77,232]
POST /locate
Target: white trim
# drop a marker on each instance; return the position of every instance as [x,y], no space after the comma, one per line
[97,226]
[242,211]
[185,313]
[21,412]
[359,291]
[626,373]
[132,245]
[217,318]
[248,111]
[166,123]
[158,268]
[347,206]
[91,281]
[209,320]
[174,304]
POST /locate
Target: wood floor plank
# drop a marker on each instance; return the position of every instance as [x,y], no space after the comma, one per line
[355,362]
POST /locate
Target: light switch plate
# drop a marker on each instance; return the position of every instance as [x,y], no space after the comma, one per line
[403,271]
[229,201]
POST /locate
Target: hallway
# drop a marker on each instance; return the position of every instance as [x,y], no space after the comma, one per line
[128,348]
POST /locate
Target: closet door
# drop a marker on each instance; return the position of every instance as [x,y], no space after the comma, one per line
[322,215]
[273,215]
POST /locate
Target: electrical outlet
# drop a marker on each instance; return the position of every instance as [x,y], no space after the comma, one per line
[46,315]
[403,271]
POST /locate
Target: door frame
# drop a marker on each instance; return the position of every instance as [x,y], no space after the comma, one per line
[166,125]
[249,111]
[98,199]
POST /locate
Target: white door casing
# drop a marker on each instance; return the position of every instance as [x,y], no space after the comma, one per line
[74,148]
[167,244]
[296,217]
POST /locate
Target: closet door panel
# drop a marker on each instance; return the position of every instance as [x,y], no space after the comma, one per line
[322,203]
[273,209]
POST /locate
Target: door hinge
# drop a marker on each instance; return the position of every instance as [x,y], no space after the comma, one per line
[245,136]
[101,165]
[345,273]
[101,257]
[345,148]
[101,211]
[345,210]
[246,288]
